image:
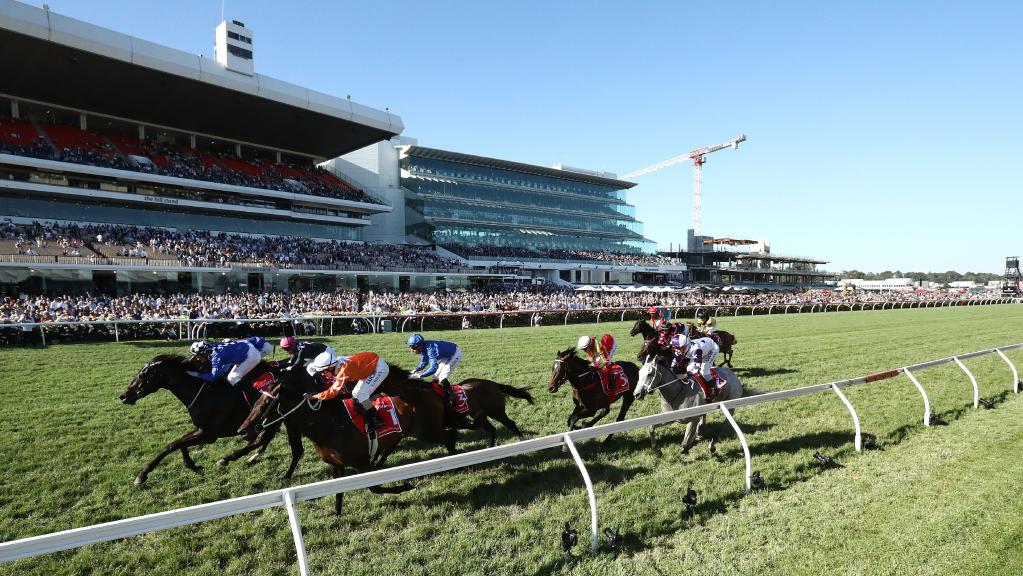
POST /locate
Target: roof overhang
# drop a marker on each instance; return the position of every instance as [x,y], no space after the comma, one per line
[58,60]
[434,153]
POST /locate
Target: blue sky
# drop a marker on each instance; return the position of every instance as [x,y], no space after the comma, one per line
[882,135]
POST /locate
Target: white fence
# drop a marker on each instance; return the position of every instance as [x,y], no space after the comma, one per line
[327,325]
[288,497]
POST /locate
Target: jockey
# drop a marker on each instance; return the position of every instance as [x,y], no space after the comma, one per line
[705,324]
[700,354]
[234,358]
[301,352]
[660,317]
[600,352]
[438,359]
[368,369]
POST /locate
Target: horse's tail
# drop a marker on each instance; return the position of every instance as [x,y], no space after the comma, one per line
[514,392]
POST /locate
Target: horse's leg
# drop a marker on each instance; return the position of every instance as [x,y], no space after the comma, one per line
[261,442]
[189,463]
[337,470]
[483,424]
[295,441]
[196,436]
[450,438]
[692,428]
[626,403]
[597,417]
[509,424]
[574,416]
[583,412]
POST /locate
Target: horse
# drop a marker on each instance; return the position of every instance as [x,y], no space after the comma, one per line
[336,439]
[678,392]
[216,410]
[589,399]
[725,341]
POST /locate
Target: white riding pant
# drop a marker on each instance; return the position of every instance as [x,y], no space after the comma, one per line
[240,370]
[704,367]
[365,388]
[448,365]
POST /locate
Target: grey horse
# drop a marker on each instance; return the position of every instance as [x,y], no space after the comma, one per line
[678,392]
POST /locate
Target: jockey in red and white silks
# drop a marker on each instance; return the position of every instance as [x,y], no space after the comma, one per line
[600,351]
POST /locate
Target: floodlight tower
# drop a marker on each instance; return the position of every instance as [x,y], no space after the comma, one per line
[698,157]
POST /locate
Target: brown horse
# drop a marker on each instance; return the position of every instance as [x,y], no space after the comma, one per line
[486,399]
[336,439]
[587,394]
[724,340]
[216,410]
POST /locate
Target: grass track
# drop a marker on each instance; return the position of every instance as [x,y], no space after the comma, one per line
[935,501]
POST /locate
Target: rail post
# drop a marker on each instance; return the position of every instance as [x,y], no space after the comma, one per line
[1015,374]
[501,325]
[976,389]
[856,419]
[594,537]
[566,318]
[927,403]
[296,533]
[117,334]
[745,447]
[623,316]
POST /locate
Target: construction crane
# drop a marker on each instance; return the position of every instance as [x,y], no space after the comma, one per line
[697,156]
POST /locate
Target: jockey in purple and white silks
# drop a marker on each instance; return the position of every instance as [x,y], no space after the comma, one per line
[698,355]
[234,358]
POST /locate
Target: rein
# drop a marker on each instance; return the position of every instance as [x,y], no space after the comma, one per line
[308,401]
[192,403]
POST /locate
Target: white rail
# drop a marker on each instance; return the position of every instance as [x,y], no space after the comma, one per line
[78,537]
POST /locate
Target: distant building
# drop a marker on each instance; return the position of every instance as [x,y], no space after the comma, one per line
[889,285]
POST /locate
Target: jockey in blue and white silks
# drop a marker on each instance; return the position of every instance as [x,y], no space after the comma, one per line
[438,359]
[235,359]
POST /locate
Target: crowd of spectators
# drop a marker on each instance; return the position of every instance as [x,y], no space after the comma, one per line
[204,249]
[68,308]
[510,252]
[94,149]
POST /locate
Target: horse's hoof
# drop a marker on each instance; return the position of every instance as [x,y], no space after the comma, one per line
[139,481]
[200,470]
[223,462]
[252,458]
[712,447]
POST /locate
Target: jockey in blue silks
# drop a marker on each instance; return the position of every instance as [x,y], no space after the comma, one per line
[438,359]
[235,358]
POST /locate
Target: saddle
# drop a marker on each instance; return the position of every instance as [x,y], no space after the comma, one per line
[461,400]
[385,409]
[613,382]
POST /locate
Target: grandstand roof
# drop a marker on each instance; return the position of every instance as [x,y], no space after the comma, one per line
[446,155]
[59,60]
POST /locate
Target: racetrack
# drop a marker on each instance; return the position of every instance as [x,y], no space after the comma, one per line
[940,500]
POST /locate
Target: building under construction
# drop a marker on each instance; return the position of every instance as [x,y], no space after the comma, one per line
[748,263]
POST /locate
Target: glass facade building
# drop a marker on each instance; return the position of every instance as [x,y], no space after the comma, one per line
[470,200]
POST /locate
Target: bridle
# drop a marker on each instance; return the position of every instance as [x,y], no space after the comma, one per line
[559,362]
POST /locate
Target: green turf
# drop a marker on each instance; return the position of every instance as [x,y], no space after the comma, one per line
[943,500]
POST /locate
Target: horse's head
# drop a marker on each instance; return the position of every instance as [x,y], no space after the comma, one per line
[641,327]
[649,376]
[153,376]
[259,415]
[271,406]
[650,347]
[563,365]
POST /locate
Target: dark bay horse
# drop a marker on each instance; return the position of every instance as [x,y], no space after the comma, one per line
[216,410]
[587,394]
[725,341]
[327,424]
[486,399]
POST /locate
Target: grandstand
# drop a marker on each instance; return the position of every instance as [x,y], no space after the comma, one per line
[748,263]
[173,152]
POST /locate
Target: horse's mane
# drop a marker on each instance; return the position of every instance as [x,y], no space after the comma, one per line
[169,359]
[395,369]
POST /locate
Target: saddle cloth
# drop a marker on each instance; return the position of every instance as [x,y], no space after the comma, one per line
[461,400]
[385,409]
[613,382]
[710,390]
[261,383]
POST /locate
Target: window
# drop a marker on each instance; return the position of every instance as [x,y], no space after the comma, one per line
[239,52]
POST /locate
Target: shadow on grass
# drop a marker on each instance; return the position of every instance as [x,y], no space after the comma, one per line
[762,372]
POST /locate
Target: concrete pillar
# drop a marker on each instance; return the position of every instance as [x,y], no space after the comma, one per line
[15,112]
[83,123]
[191,141]
[142,132]
[238,150]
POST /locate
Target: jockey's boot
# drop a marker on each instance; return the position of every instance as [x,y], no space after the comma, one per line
[373,421]
[449,394]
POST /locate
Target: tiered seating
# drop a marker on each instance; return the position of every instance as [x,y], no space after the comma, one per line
[81,147]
